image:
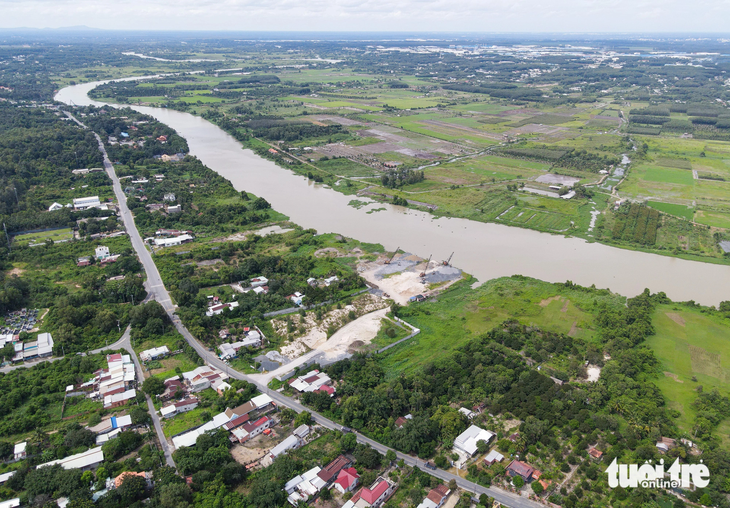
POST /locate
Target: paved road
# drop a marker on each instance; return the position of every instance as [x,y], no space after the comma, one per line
[157,288]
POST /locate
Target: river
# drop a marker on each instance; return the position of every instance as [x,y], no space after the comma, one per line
[486,251]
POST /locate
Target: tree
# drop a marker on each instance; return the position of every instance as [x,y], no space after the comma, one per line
[452,485]
[153,386]
[518,482]
[537,488]
[303,418]
[139,416]
[390,456]
[175,495]
[348,442]
[132,488]
[325,495]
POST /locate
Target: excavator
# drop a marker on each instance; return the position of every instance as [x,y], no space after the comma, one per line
[448,261]
[393,257]
[423,273]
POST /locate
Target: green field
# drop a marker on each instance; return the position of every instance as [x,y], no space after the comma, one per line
[689,343]
[460,314]
[672,209]
[34,238]
[668,175]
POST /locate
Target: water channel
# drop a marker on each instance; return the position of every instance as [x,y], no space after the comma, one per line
[485,250]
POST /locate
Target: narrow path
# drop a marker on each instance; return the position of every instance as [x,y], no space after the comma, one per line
[160,294]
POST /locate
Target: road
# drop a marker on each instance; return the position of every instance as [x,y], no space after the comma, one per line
[157,288]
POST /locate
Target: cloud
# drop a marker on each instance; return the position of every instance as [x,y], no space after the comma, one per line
[373,15]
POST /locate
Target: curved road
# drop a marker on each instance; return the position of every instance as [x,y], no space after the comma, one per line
[157,288]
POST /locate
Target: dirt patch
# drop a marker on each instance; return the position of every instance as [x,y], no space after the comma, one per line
[548,301]
[565,306]
[673,376]
[593,373]
[328,252]
[704,362]
[511,424]
[16,271]
[573,329]
[244,455]
[676,318]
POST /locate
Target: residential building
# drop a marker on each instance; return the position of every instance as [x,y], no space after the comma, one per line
[189,438]
[302,487]
[113,423]
[518,468]
[230,350]
[55,206]
[11,503]
[250,430]
[45,344]
[220,386]
[168,411]
[19,452]
[172,387]
[170,242]
[214,310]
[347,480]
[154,353]
[290,443]
[202,377]
[493,457]
[169,197]
[374,496]
[84,261]
[119,399]
[6,476]
[242,410]
[87,202]
[259,281]
[174,209]
[127,474]
[297,298]
[310,382]
[331,470]
[595,454]
[328,281]
[236,422]
[436,497]
[89,459]
[186,405]
[101,252]
[302,431]
[467,441]
[467,412]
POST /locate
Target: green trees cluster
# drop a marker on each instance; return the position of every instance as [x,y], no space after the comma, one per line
[399,177]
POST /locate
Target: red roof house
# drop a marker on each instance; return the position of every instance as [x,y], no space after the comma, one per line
[347,480]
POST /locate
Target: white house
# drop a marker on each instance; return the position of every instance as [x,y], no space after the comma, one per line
[102,252]
[467,412]
[88,202]
[19,450]
[154,353]
[55,206]
[259,281]
[214,310]
[176,240]
[467,441]
[45,344]
[311,381]
[297,298]
[169,197]
[302,487]
[290,443]
[86,460]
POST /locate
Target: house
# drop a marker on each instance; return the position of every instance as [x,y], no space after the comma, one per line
[302,431]
[169,242]
[435,497]
[273,152]
[169,197]
[186,405]
[595,454]
[214,310]
[89,459]
[189,438]
[375,496]
[517,468]
[312,281]
[241,410]
[221,387]
[127,474]
[154,353]
[493,457]
[467,441]
[172,386]
[302,487]
[161,139]
[311,381]
[19,452]
[85,203]
[110,259]
[296,298]
[101,252]
[333,469]
[84,261]
[259,281]
[174,209]
[11,503]
[513,437]
[467,412]
[347,480]
[6,476]
[250,430]
[168,411]
[45,344]
[113,423]
[261,290]
[119,399]
[400,422]
[236,422]
[330,280]
[290,443]
[194,379]
[55,206]
[228,351]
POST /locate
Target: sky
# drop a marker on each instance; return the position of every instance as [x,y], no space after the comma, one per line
[488,16]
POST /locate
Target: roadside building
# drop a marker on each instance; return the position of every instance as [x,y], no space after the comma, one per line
[119,399]
[290,443]
[347,480]
[310,382]
[171,242]
[19,451]
[154,353]
[374,497]
[467,441]
[85,461]
[302,487]
[493,457]
[436,497]
[518,468]
[86,203]
[250,430]
[330,472]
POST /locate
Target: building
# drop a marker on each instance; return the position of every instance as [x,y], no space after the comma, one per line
[220,386]
[11,503]
[45,344]
[154,353]
[467,441]
[467,412]
[113,423]
[374,496]
[236,422]
[302,487]
[302,431]
[84,261]
[214,310]
[595,454]
[6,476]
[174,209]
[19,452]
[310,382]
[127,474]
[517,468]
[259,281]
[435,497]
[101,252]
[186,405]
[250,429]
[493,457]
[331,470]
[228,351]
[330,280]
[89,459]
[85,203]
[189,438]
[347,480]
[177,240]
[172,387]
[168,411]
[55,206]
[290,443]
[119,399]
[297,298]
[202,377]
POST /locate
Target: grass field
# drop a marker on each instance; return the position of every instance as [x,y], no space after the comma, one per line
[184,421]
[689,343]
[672,209]
[461,314]
[32,238]
[668,175]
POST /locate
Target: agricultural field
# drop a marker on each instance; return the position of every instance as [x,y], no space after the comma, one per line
[693,349]
[55,235]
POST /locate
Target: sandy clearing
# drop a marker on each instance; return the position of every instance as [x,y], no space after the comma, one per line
[547,301]
[594,372]
[565,306]
[673,376]
[573,329]
[244,455]
[327,252]
[676,318]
